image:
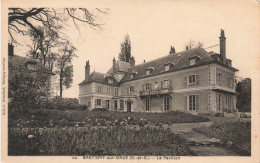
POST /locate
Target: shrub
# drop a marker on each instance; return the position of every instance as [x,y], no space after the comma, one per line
[100,109]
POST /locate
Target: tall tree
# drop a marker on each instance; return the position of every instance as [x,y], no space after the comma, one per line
[243,88]
[64,66]
[42,44]
[125,52]
[22,19]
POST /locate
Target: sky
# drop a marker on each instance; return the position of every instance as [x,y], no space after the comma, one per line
[155,26]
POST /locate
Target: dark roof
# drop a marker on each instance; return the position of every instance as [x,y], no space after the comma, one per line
[120,66]
[98,78]
[180,61]
[17,61]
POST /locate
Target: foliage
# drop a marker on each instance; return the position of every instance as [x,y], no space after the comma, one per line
[243,88]
[64,66]
[120,140]
[66,104]
[193,44]
[27,89]
[102,118]
[42,45]
[20,20]
[238,132]
[125,52]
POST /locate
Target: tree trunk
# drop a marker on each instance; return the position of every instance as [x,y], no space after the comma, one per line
[60,85]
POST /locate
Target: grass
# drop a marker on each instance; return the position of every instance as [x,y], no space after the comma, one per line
[238,132]
[50,118]
[110,140]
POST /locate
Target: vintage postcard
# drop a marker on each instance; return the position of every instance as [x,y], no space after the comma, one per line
[141,81]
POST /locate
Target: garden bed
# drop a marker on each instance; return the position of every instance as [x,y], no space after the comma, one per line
[51,118]
[110,140]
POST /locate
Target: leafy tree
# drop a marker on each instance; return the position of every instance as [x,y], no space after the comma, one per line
[125,53]
[27,89]
[41,45]
[64,66]
[243,88]
[22,19]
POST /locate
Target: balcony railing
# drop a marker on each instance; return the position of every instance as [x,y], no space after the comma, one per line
[155,92]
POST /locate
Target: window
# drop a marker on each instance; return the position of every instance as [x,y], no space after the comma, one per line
[98,102]
[107,104]
[89,104]
[192,80]
[147,86]
[193,102]
[165,84]
[110,81]
[218,101]
[147,105]
[116,91]
[219,78]
[148,72]
[121,104]
[115,104]
[99,89]
[156,86]
[231,82]
[131,89]
[167,67]
[31,66]
[108,90]
[192,61]
[166,103]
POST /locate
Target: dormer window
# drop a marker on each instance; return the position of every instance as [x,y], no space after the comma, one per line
[193,60]
[110,80]
[31,65]
[168,66]
[132,75]
[149,70]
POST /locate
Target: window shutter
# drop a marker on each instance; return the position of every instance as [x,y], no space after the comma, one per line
[228,82]
[128,90]
[197,79]
[170,84]
[95,103]
[185,81]
[161,84]
[197,99]
[96,89]
[217,101]
[186,103]
[150,87]
[133,89]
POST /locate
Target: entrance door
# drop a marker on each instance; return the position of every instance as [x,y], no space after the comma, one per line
[129,106]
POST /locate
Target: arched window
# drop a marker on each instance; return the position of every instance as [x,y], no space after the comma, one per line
[122,104]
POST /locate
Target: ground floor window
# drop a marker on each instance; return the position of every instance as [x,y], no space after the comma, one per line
[147,105]
[231,102]
[122,104]
[98,102]
[166,103]
[218,100]
[107,104]
[193,102]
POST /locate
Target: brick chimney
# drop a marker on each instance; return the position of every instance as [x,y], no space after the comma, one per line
[222,42]
[172,51]
[87,70]
[10,49]
[114,64]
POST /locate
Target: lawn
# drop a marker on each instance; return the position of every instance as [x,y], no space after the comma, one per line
[51,118]
[235,134]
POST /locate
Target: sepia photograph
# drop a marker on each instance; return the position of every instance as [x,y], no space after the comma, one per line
[158,80]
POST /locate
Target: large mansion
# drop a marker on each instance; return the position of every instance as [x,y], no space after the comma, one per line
[193,80]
